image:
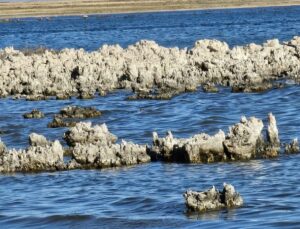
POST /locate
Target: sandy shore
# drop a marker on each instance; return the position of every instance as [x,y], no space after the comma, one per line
[85,7]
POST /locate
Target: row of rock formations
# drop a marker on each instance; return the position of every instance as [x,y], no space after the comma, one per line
[244,141]
[149,70]
[94,147]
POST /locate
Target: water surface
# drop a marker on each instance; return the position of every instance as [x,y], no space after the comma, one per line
[150,195]
[235,26]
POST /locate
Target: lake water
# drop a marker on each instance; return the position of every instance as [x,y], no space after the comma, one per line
[150,195]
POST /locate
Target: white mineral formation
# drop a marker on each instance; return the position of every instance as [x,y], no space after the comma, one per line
[94,147]
[150,70]
[212,199]
[41,155]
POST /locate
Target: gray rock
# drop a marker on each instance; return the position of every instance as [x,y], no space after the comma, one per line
[34,114]
[101,155]
[84,133]
[145,66]
[292,148]
[272,131]
[38,140]
[59,122]
[243,139]
[2,147]
[33,159]
[78,112]
[200,148]
[94,147]
[212,199]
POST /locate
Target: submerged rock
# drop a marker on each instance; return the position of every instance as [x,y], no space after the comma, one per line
[212,199]
[292,148]
[66,116]
[58,122]
[34,114]
[41,155]
[78,112]
[210,88]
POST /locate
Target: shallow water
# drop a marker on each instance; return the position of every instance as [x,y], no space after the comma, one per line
[150,195]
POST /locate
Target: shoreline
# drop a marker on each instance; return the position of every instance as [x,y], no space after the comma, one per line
[111,11]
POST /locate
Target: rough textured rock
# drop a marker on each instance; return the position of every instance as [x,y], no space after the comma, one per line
[66,116]
[292,148]
[244,141]
[94,147]
[41,155]
[200,148]
[34,114]
[37,140]
[84,133]
[58,122]
[211,88]
[2,147]
[150,70]
[101,155]
[78,112]
[272,131]
[212,199]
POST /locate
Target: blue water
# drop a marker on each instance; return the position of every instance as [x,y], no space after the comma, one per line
[236,26]
[150,195]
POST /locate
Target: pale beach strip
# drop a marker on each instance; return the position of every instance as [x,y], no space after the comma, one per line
[44,8]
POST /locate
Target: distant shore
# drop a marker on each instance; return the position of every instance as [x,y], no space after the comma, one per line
[42,8]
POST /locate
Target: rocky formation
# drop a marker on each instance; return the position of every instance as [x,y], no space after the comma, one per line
[38,140]
[34,114]
[2,148]
[244,141]
[292,148]
[201,148]
[59,122]
[94,147]
[78,112]
[85,133]
[41,155]
[212,199]
[272,131]
[149,70]
[67,114]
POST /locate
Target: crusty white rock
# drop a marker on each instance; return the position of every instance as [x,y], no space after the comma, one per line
[146,66]
[41,155]
[212,199]
[94,147]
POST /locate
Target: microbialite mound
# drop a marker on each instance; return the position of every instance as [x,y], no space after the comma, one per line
[149,70]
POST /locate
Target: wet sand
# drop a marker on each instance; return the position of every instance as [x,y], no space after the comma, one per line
[40,8]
